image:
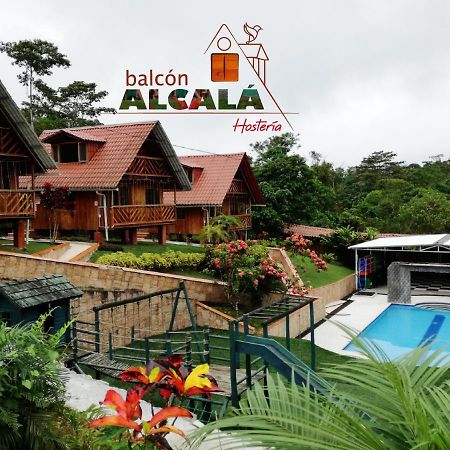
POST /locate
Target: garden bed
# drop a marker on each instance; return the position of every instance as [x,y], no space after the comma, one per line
[6,245]
[149,247]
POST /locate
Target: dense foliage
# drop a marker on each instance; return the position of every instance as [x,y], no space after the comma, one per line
[380,192]
[153,261]
[374,404]
[31,389]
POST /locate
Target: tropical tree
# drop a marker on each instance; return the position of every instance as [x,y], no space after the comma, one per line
[37,58]
[54,200]
[374,404]
[73,105]
[220,229]
[427,212]
[289,185]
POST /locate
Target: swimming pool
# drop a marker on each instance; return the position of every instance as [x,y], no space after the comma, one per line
[400,328]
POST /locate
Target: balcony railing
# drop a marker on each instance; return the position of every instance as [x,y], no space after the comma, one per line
[245,220]
[16,203]
[141,215]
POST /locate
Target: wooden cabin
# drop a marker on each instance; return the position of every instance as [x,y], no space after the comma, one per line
[116,175]
[21,154]
[25,301]
[221,184]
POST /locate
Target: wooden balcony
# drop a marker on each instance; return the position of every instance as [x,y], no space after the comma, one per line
[246,222]
[131,216]
[16,204]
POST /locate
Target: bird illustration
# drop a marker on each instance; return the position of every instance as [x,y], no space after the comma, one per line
[252,32]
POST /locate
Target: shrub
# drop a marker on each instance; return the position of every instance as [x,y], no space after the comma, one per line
[247,269]
[297,244]
[169,260]
[31,389]
[110,247]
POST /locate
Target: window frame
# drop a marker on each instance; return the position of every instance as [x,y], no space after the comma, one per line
[57,152]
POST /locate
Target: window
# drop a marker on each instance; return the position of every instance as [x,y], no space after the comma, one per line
[224,67]
[151,197]
[188,171]
[70,152]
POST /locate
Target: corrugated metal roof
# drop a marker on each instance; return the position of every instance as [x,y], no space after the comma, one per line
[36,291]
[421,240]
[118,146]
[22,128]
[218,172]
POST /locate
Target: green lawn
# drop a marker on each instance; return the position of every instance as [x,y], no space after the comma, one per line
[150,247]
[32,247]
[308,272]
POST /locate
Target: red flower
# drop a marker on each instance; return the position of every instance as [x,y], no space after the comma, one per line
[127,410]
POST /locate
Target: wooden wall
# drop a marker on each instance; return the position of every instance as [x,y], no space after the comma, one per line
[192,223]
[83,217]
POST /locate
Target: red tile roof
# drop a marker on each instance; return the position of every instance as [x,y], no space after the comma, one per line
[79,133]
[118,146]
[307,231]
[215,180]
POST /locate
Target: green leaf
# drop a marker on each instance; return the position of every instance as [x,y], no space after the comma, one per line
[27,383]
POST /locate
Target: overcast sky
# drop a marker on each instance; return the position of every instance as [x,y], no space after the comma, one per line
[363,75]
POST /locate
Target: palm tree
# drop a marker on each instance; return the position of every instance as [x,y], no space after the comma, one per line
[375,404]
[220,229]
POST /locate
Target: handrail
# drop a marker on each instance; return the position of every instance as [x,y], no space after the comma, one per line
[139,298]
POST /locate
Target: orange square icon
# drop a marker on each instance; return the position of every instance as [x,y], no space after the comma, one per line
[224,67]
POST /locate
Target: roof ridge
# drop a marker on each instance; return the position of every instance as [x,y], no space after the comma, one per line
[213,155]
[100,126]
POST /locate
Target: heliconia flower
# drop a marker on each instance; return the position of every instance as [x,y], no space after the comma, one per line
[141,375]
[181,383]
[127,410]
[150,427]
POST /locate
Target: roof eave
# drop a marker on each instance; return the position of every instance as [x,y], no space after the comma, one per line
[24,130]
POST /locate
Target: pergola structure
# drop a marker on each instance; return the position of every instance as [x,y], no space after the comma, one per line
[423,243]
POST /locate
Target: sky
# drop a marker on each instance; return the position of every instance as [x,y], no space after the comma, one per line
[360,75]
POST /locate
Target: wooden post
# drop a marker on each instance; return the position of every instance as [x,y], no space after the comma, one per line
[162,230]
[133,236]
[19,234]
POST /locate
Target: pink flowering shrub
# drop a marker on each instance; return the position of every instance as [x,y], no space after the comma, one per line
[247,269]
[297,244]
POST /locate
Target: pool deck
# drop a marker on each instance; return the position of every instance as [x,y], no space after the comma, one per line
[358,315]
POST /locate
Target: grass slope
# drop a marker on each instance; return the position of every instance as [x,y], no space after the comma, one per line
[308,272]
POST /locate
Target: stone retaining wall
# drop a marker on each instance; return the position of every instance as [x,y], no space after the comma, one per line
[335,291]
[104,284]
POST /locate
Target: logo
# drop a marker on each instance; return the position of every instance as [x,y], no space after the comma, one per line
[234,84]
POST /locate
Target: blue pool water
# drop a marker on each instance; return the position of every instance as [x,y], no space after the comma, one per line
[400,328]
